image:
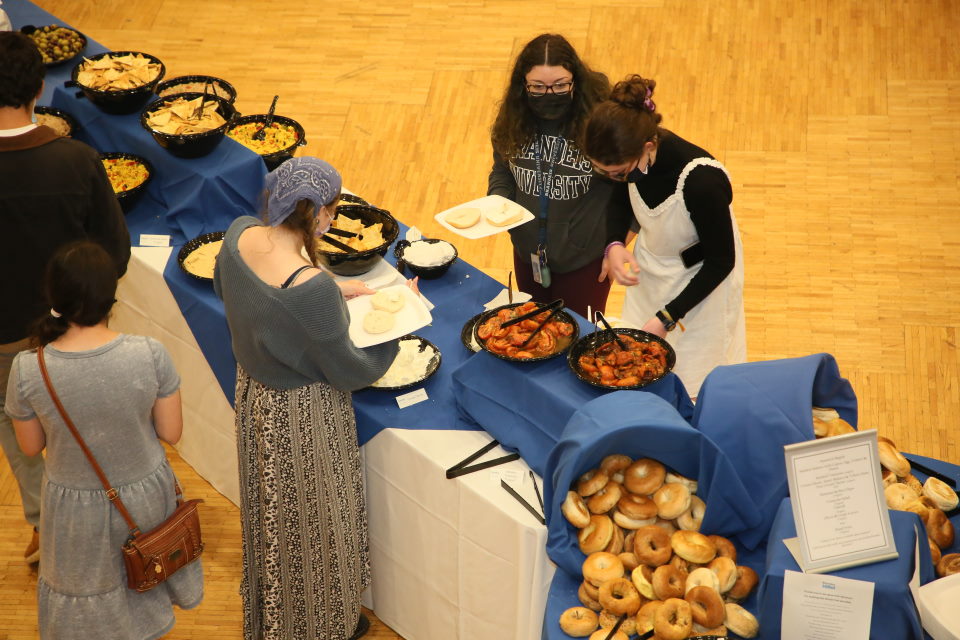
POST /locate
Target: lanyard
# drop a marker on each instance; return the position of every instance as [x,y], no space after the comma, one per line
[544,182]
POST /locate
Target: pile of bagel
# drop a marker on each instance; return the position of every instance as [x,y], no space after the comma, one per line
[647,562]
[904,492]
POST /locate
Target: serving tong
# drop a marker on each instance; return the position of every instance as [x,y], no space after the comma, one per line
[554,308]
[598,315]
[261,133]
[198,112]
[339,245]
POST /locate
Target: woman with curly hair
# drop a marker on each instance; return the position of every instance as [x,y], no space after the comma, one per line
[686,269]
[537,164]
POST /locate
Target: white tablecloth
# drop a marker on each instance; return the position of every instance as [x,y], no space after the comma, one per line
[452,559]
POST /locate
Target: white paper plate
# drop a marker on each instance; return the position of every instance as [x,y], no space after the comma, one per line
[413,316]
[938,607]
[483,228]
[382,275]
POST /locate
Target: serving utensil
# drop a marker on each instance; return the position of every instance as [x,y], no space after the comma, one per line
[606,325]
[339,245]
[510,287]
[198,112]
[261,133]
[555,305]
[534,333]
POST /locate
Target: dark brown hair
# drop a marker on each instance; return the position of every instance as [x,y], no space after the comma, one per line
[515,125]
[618,127]
[80,284]
[22,70]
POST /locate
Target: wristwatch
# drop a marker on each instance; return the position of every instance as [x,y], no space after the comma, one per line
[668,323]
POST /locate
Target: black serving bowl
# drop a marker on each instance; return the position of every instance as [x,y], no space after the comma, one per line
[432,366]
[122,101]
[30,30]
[593,340]
[72,123]
[129,197]
[565,342]
[354,264]
[275,158]
[428,273]
[466,335]
[196,243]
[347,199]
[174,86]
[191,145]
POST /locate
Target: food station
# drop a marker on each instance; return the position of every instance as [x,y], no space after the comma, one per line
[567,394]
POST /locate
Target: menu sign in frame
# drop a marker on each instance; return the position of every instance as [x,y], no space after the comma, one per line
[840,511]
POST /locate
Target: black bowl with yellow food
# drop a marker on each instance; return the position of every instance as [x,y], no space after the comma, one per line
[128,175]
[354,264]
[118,101]
[190,145]
[57,119]
[280,141]
[196,84]
[57,43]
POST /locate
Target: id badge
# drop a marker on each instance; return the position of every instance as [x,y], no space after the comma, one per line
[535,264]
[541,271]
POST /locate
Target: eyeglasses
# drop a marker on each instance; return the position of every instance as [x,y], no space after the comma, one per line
[538,90]
[618,176]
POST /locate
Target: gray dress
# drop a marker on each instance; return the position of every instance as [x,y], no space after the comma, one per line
[109,393]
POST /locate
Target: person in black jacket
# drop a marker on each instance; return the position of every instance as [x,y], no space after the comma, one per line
[53,190]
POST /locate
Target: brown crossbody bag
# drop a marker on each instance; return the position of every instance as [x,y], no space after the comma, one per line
[154,556]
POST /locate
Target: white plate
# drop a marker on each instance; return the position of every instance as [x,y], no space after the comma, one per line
[413,316]
[381,275]
[938,607]
[483,228]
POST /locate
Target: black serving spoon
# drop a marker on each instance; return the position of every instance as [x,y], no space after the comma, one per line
[261,133]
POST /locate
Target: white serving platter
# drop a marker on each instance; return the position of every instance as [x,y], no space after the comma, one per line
[381,275]
[411,317]
[483,228]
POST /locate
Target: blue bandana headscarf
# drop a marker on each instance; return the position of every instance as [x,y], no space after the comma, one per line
[303,178]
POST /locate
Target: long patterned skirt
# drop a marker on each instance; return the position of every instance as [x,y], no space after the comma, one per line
[305,553]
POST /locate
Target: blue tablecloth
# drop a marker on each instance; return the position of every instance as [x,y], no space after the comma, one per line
[752,410]
[526,405]
[894,613]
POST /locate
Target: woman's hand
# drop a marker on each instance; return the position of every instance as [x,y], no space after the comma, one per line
[621,266]
[353,288]
[655,327]
[412,285]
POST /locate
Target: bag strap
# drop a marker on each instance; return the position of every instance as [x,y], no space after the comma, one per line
[112,493]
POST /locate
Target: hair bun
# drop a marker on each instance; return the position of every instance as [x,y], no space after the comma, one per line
[634,93]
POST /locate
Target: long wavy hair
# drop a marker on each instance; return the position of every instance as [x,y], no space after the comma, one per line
[516,124]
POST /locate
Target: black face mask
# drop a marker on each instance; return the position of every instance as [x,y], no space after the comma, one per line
[550,106]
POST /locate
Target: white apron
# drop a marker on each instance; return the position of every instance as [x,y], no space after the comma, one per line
[715,329]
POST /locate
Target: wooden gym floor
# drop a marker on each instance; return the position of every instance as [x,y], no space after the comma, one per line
[839,121]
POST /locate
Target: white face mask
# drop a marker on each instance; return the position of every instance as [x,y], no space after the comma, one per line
[320,231]
[33,114]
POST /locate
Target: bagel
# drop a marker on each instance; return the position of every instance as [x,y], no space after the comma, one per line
[747,579]
[604,634]
[691,519]
[637,507]
[673,620]
[605,499]
[839,427]
[591,482]
[669,582]
[948,565]
[646,615]
[642,578]
[918,508]
[702,577]
[719,631]
[935,553]
[616,542]
[899,495]
[578,622]
[609,620]
[889,478]
[628,540]
[726,570]
[940,492]
[740,621]
[620,597]
[666,525]
[821,427]
[680,563]
[892,459]
[629,561]
[724,547]
[693,546]
[575,510]
[672,500]
[596,535]
[600,567]
[911,481]
[629,523]
[592,591]
[615,463]
[825,413]
[689,483]
[939,528]
[644,476]
[652,546]
[706,606]
[586,600]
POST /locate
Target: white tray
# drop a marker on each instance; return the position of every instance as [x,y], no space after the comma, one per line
[382,275]
[413,316]
[938,607]
[483,228]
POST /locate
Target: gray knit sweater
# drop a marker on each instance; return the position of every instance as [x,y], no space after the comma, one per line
[289,338]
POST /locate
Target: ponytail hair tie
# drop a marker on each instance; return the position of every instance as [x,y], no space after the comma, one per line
[55,313]
[649,104]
